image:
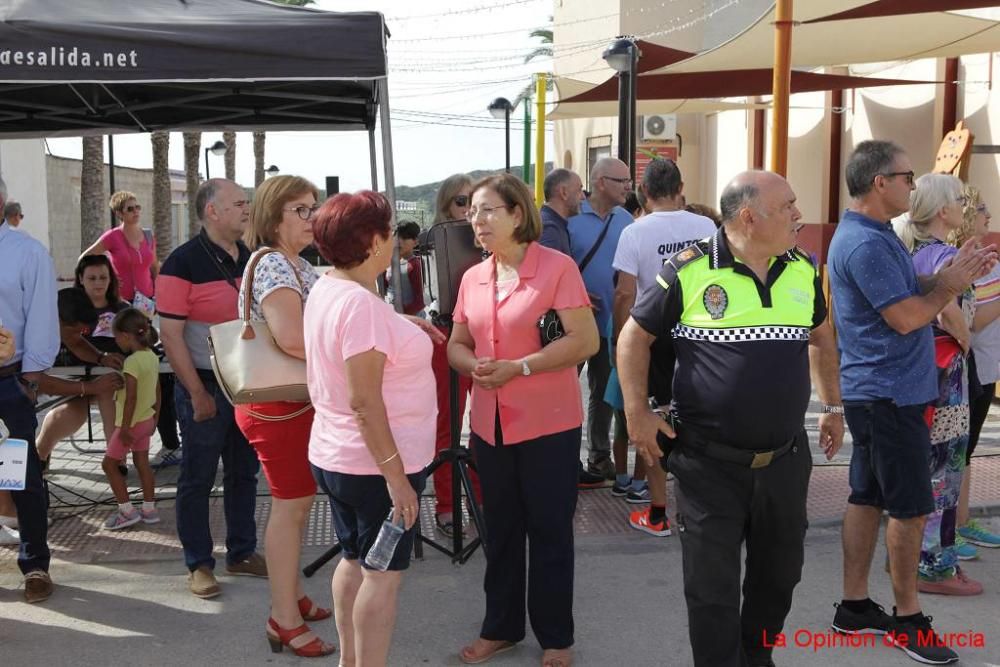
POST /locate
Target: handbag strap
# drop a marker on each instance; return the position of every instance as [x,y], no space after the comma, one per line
[597,244]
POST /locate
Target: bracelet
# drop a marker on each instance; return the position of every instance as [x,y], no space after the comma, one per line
[388,459]
[833,409]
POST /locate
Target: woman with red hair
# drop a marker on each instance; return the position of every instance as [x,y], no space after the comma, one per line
[371,384]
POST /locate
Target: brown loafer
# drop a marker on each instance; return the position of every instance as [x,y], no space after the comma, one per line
[37,586]
[471,655]
[253,566]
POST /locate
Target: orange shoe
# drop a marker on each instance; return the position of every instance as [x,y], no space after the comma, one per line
[640,521]
[311,612]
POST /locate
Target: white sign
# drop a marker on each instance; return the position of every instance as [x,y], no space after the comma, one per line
[13,464]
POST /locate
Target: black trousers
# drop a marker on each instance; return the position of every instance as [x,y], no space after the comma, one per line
[167,422]
[529,496]
[719,505]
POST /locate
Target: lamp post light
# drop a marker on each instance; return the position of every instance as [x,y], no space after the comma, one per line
[272,171]
[622,57]
[218,148]
[501,108]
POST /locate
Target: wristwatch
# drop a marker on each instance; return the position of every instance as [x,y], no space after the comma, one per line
[833,409]
[525,370]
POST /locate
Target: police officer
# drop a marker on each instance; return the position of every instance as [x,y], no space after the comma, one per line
[745,315]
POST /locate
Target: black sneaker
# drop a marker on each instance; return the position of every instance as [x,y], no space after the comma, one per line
[872,621]
[917,639]
[588,480]
[619,491]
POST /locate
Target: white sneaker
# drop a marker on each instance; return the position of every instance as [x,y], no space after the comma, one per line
[167,457]
[9,536]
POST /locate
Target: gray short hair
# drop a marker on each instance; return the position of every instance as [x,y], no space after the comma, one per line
[553,180]
[206,193]
[11,208]
[739,194]
[870,159]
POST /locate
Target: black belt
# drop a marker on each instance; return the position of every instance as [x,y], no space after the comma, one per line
[722,452]
[12,369]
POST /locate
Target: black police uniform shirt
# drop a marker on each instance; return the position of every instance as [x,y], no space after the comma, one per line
[742,347]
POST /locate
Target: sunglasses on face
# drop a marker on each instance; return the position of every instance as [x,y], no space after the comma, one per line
[462,200]
[133,207]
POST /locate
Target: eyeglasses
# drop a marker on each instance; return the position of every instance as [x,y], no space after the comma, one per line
[473,213]
[623,181]
[462,200]
[908,175]
[982,209]
[133,207]
[303,211]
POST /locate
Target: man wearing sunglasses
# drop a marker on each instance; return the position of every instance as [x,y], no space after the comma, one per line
[887,377]
[593,236]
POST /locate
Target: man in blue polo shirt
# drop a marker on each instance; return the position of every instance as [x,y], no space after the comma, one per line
[563,192]
[593,236]
[887,374]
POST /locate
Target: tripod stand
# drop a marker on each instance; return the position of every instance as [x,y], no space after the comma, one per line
[460,460]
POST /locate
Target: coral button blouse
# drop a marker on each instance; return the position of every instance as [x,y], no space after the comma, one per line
[542,403]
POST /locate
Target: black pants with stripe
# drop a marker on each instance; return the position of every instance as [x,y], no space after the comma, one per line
[719,506]
[529,498]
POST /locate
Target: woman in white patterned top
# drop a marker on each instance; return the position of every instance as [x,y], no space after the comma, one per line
[280,228]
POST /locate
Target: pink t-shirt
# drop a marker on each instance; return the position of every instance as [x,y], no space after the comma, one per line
[131,266]
[343,319]
[542,403]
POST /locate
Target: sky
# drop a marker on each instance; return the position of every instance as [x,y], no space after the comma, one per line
[447,61]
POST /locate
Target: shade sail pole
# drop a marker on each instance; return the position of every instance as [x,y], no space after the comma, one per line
[540,85]
[372,159]
[781,86]
[390,185]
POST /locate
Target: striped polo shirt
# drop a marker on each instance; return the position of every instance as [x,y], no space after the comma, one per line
[200,283]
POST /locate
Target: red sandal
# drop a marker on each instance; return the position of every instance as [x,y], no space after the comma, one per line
[311,612]
[317,648]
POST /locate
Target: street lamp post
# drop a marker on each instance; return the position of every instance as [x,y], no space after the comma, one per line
[218,148]
[622,57]
[501,108]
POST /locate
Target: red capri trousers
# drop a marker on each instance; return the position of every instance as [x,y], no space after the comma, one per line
[282,446]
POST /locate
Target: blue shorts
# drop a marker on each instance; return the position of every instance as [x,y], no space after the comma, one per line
[890,464]
[358,506]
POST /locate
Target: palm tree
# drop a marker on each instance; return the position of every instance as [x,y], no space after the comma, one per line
[229,139]
[192,155]
[545,50]
[162,228]
[92,220]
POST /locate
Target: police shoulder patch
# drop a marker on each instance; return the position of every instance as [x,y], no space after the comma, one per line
[685,256]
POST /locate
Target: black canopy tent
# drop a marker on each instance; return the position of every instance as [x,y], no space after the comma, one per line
[77,67]
[85,67]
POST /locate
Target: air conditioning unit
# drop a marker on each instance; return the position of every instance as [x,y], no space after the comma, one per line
[658,127]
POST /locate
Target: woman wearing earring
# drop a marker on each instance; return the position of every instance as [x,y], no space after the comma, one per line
[526,418]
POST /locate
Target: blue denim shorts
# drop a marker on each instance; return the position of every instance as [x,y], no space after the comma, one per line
[890,464]
[358,506]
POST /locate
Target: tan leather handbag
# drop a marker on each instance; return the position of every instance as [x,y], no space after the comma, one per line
[248,363]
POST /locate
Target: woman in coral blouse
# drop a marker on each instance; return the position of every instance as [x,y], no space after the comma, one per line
[526,417]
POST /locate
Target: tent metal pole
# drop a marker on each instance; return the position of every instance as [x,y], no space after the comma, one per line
[781,85]
[372,159]
[390,183]
[111,172]
[540,86]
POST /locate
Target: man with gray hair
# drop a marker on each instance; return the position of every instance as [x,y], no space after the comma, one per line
[744,314]
[13,214]
[888,376]
[563,192]
[593,238]
[197,287]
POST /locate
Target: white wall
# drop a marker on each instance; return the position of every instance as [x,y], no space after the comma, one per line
[22,165]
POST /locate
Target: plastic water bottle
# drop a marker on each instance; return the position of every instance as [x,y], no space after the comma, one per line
[380,554]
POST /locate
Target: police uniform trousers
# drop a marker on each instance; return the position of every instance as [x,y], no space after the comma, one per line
[719,506]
